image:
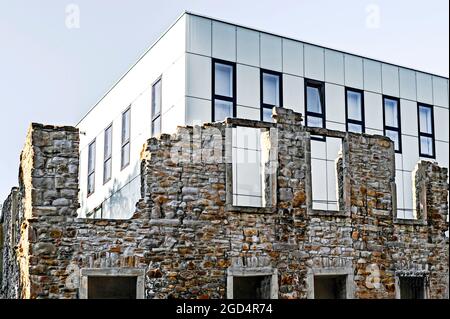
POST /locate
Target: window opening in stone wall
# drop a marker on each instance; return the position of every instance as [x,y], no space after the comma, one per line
[327,184]
[412,287]
[252,287]
[112,287]
[248,167]
[330,287]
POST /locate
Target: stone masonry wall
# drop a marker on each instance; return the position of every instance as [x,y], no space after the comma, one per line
[187,238]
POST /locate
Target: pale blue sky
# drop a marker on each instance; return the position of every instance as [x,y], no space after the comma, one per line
[54,75]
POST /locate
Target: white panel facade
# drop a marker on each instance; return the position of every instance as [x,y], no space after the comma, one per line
[390,80]
[334,67]
[198,111]
[293,92]
[335,103]
[408,84]
[247,47]
[314,64]
[372,76]
[198,86]
[223,41]
[441,118]
[198,35]
[408,111]
[354,72]
[440,91]
[271,56]
[248,86]
[373,107]
[424,88]
[248,113]
[292,57]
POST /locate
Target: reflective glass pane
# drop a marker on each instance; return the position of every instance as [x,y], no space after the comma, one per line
[267,115]
[90,186]
[314,121]
[390,112]
[426,123]
[222,110]
[126,126]
[426,146]
[393,135]
[313,100]
[156,126]
[107,170]
[156,101]
[354,105]
[108,142]
[224,79]
[271,89]
[355,128]
[125,154]
[91,157]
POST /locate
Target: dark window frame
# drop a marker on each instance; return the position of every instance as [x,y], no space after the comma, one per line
[421,134]
[362,122]
[125,142]
[157,116]
[221,97]
[91,172]
[399,121]
[261,90]
[321,86]
[106,157]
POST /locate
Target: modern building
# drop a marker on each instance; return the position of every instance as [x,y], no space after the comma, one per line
[204,70]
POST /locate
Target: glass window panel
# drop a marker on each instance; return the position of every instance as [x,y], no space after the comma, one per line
[223,80]
[125,155]
[156,102]
[156,126]
[108,142]
[313,100]
[314,121]
[426,145]
[390,112]
[90,183]
[355,128]
[271,89]
[222,110]
[126,126]
[248,172]
[91,158]
[393,135]
[354,105]
[267,114]
[107,171]
[426,123]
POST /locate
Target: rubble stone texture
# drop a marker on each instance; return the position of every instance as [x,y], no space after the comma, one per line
[187,237]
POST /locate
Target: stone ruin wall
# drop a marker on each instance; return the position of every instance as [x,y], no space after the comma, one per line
[185,237]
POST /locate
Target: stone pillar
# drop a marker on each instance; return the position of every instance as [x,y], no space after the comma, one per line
[49,184]
[432,204]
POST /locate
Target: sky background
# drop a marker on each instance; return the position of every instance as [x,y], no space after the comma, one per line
[53,74]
